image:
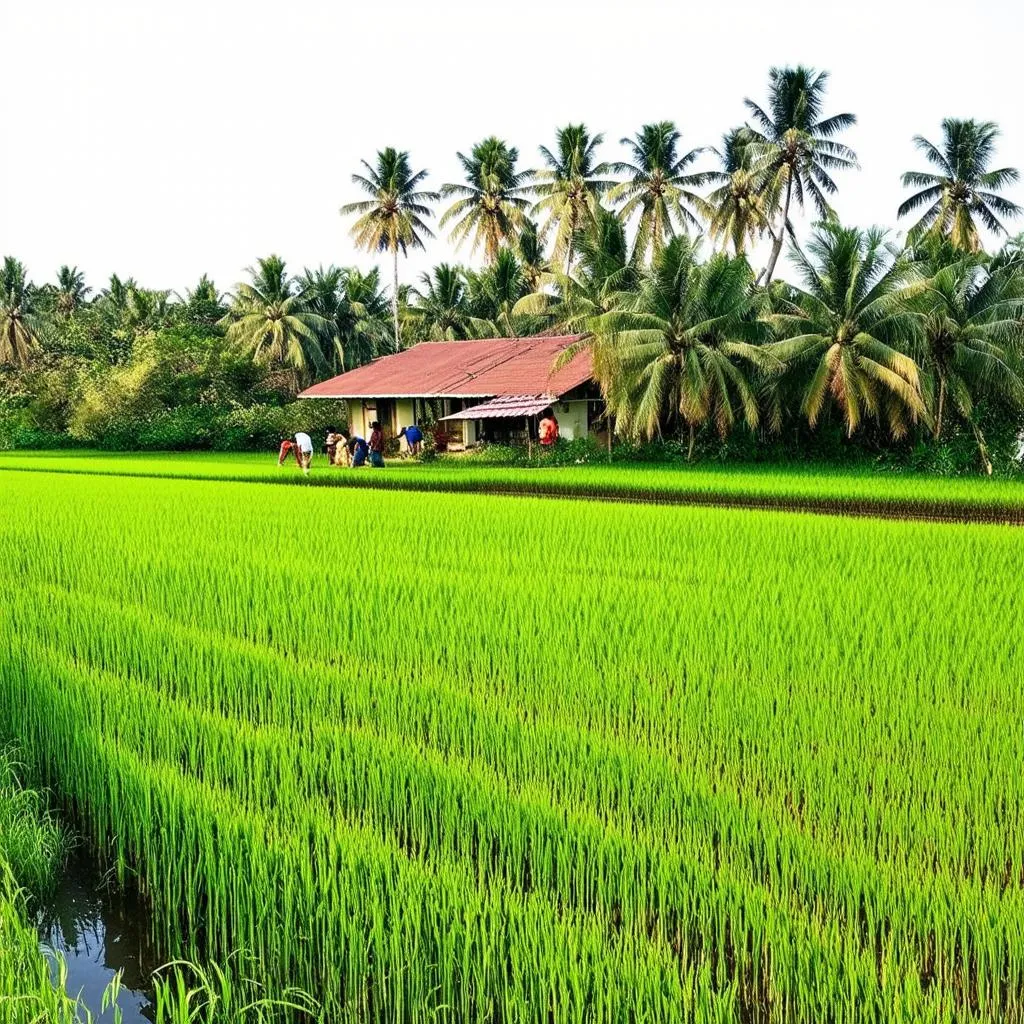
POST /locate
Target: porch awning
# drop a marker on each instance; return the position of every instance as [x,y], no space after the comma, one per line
[506,406]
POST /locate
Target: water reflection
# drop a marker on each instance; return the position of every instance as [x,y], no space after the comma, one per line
[100,930]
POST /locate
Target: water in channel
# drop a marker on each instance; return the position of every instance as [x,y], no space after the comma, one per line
[100,930]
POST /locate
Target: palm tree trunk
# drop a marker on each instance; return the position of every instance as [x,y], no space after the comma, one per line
[572,238]
[394,300]
[689,450]
[982,449]
[941,406]
[777,247]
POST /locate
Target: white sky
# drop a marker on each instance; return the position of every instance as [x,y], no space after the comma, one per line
[164,140]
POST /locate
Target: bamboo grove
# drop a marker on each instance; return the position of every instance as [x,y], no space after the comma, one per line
[714,283]
[653,764]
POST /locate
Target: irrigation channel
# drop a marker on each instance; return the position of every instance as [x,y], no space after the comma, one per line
[100,929]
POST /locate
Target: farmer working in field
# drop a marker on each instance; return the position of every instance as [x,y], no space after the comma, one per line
[304,447]
[413,438]
[358,450]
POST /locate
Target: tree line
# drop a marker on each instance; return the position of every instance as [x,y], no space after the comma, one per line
[650,259]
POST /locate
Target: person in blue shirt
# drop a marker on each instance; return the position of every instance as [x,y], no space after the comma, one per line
[413,438]
[359,449]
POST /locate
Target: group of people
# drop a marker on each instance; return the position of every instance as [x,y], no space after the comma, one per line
[353,451]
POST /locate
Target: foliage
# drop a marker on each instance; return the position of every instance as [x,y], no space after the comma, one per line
[18,332]
[964,187]
[843,333]
[658,189]
[680,349]
[793,148]
[489,207]
[276,323]
[570,185]
[393,219]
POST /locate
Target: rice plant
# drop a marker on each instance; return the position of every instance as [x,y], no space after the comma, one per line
[447,758]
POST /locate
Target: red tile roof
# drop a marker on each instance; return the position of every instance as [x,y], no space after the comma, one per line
[463,369]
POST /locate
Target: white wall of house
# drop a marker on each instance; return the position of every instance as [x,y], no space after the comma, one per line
[572,419]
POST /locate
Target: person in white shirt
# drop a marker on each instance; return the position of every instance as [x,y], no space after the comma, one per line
[304,446]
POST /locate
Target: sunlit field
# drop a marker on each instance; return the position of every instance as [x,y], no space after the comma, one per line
[454,757]
[813,487]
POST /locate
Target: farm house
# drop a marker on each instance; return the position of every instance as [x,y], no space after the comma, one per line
[491,390]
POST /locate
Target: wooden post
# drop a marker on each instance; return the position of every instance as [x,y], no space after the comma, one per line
[529,441]
[609,418]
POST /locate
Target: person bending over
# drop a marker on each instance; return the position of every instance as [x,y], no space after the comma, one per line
[413,438]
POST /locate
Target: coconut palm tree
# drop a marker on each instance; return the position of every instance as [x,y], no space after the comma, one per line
[19,331]
[71,291]
[490,204]
[366,317]
[681,349]
[324,293]
[971,316]
[602,275]
[203,305]
[570,187]
[793,147]
[492,294]
[658,189]
[440,305]
[740,207]
[529,247]
[275,323]
[964,190]
[842,329]
[392,219]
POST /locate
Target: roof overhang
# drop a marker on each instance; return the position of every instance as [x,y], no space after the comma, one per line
[505,407]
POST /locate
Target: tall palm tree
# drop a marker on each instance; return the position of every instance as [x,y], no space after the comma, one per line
[529,247]
[19,334]
[570,187]
[492,296]
[72,290]
[490,204]
[441,308]
[842,329]
[680,350]
[964,188]
[393,218]
[365,323]
[273,322]
[603,274]
[658,189]
[323,290]
[793,145]
[971,316]
[740,207]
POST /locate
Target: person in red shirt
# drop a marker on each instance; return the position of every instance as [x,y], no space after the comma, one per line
[376,445]
[547,429]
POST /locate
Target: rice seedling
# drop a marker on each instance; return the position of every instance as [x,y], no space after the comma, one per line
[771,487]
[436,757]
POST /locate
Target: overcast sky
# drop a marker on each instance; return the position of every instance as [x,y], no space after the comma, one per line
[164,140]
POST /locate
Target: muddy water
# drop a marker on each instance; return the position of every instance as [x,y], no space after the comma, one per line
[100,930]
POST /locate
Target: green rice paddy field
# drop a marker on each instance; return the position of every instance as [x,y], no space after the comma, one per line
[795,486]
[453,757]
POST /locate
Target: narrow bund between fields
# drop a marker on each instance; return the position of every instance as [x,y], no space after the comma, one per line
[822,493]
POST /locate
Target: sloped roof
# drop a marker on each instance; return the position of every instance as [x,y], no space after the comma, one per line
[463,369]
[504,407]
